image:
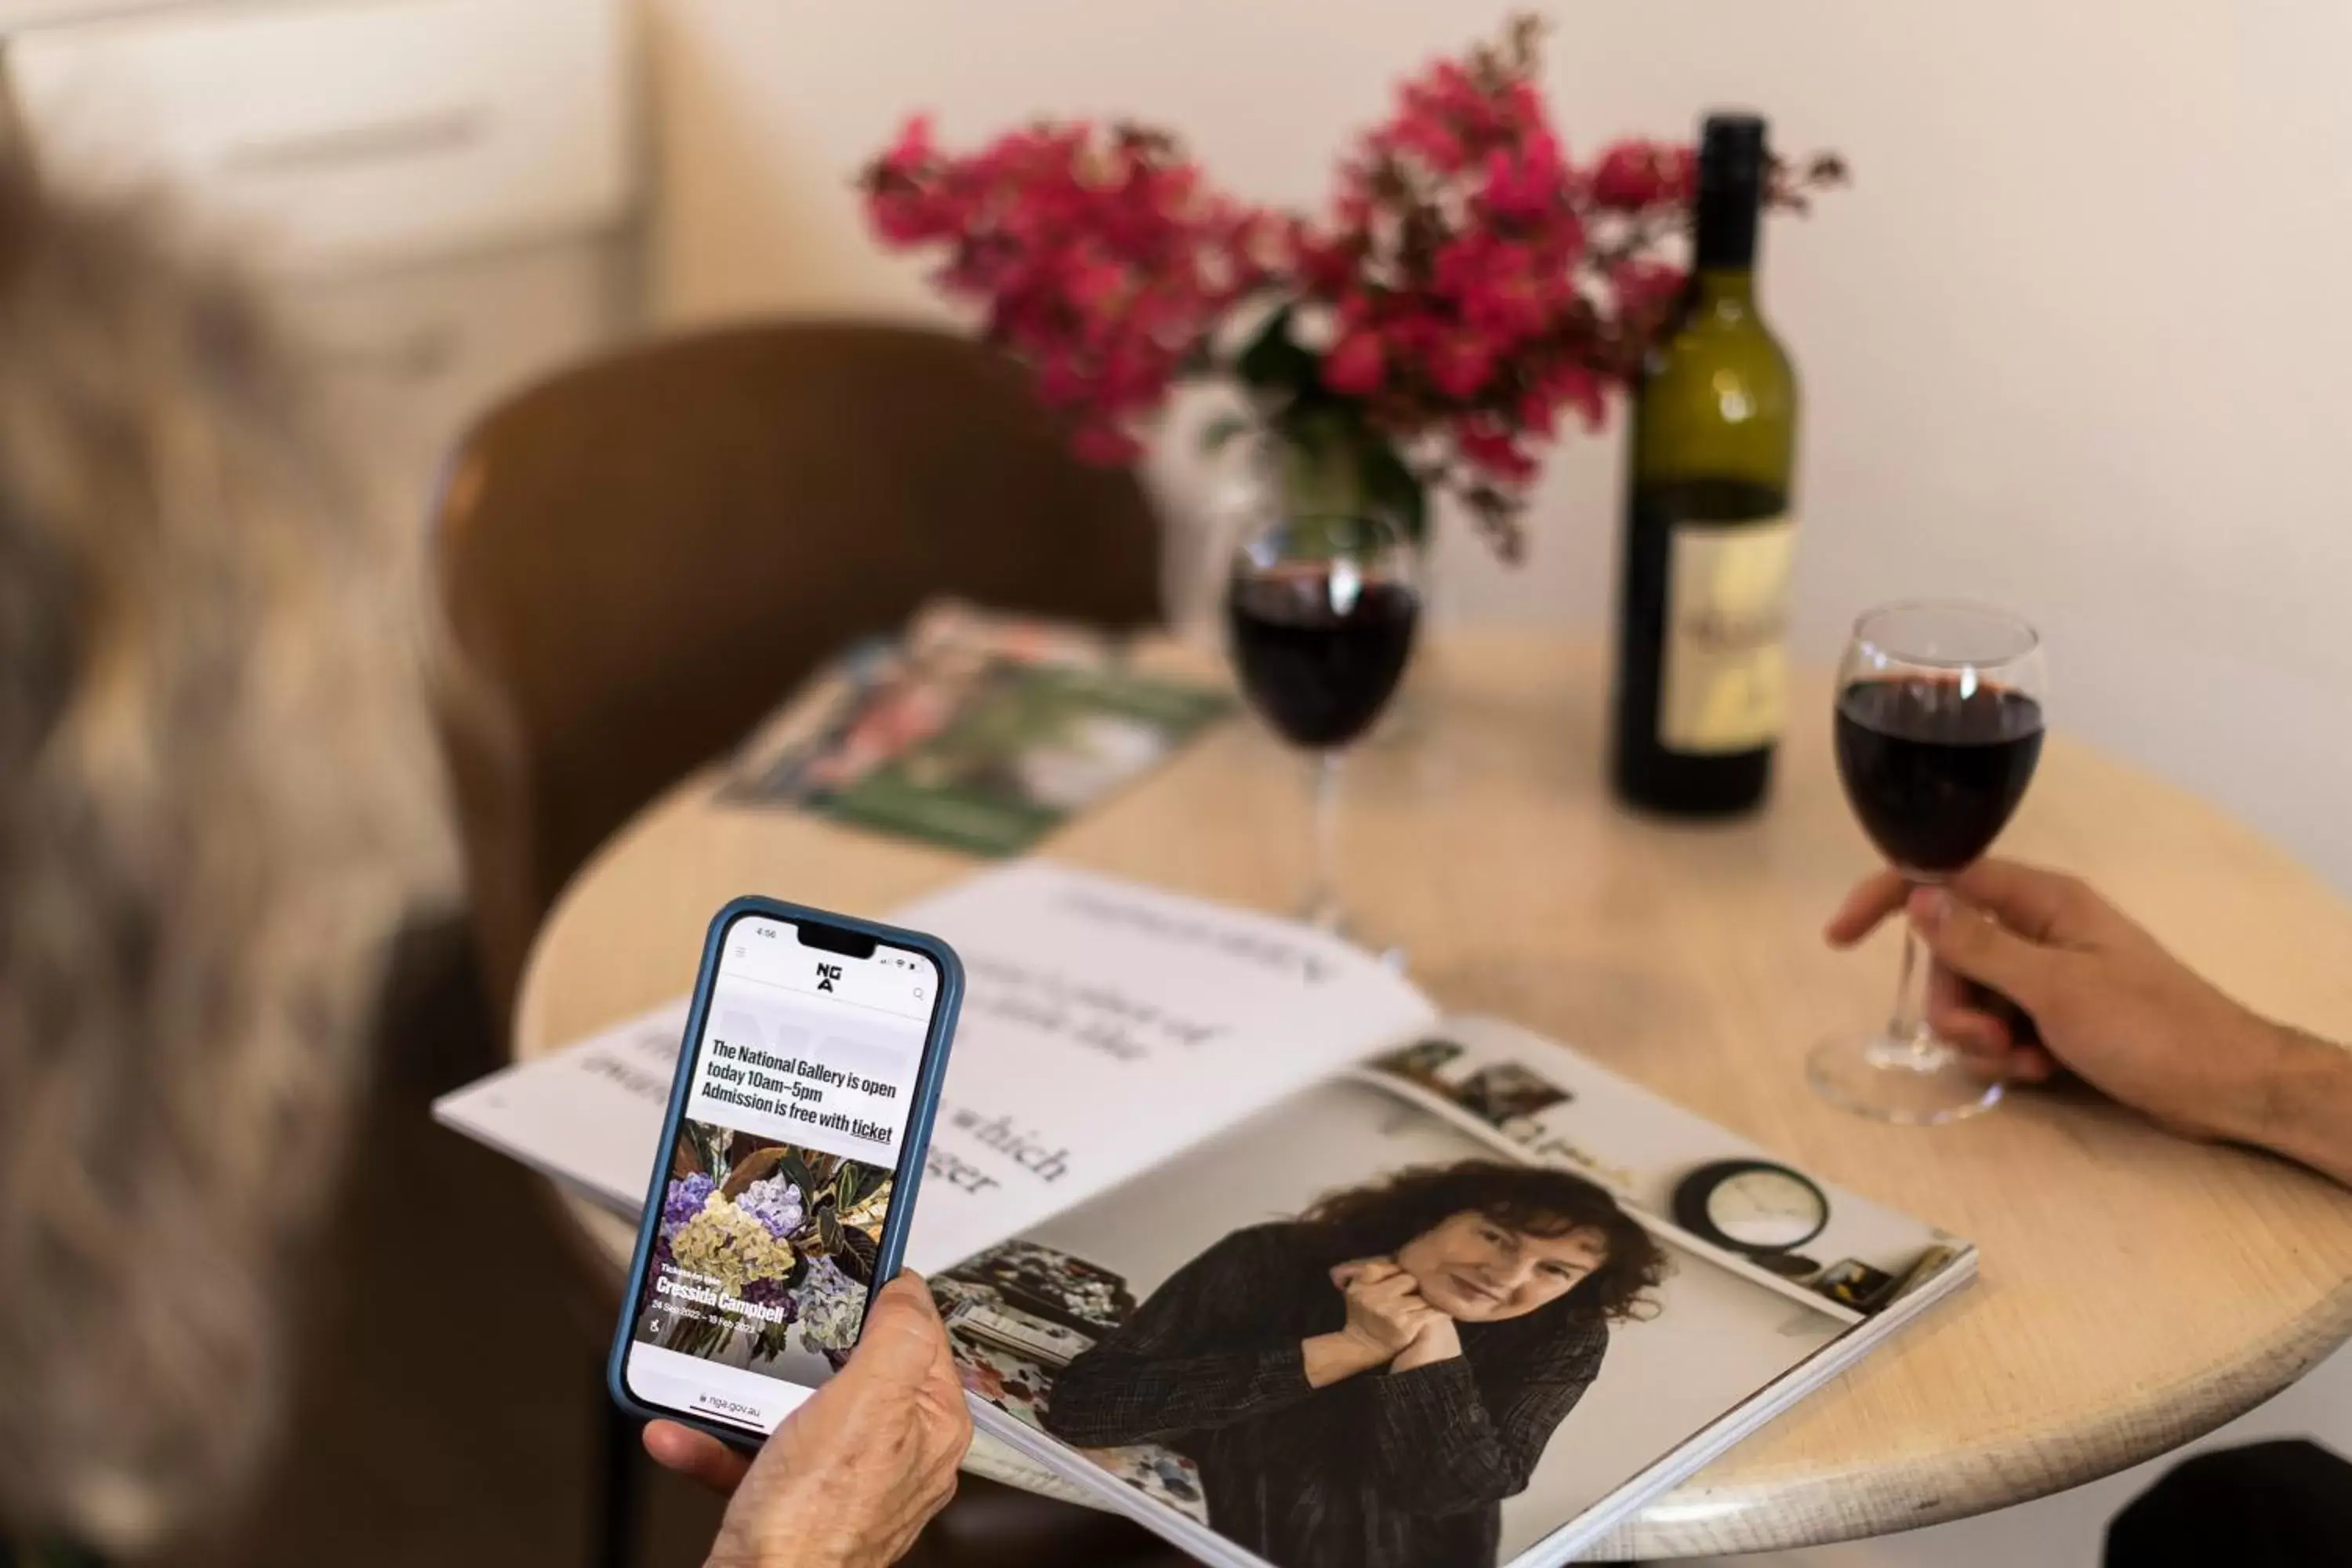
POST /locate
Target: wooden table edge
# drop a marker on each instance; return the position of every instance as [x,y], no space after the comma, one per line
[1773,1513]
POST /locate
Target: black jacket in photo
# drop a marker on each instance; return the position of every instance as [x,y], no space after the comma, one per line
[1380,1470]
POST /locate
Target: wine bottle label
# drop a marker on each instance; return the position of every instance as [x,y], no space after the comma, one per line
[1724,686]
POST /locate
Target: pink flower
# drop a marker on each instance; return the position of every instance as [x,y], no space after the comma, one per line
[1635,175]
[1104,446]
[1501,287]
[1326,266]
[1061,383]
[1537,413]
[912,153]
[1682,174]
[1563,386]
[1646,289]
[1576,387]
[1356,365]
[1482,289]
[1414,331]
[1433,113]
[1522,106]
[1461,365]
[904,208]
[1096,287]
[1527,183]
[1487,446]
[1099,258]
[1428,138]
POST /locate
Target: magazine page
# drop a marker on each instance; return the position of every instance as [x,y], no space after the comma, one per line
[982,732]
[1432,1311]
[1783,1230]
[1106,1026]
[590,1115]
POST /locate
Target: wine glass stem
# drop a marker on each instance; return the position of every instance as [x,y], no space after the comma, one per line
[1322,902]
[1908,1034]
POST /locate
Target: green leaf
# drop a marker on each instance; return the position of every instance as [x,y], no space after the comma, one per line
[1395,489]
[869,1211]
[1273,362]
[1321,461]
[858,1255]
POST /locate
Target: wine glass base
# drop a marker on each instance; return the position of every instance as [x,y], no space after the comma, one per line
[1919,1084]
[1330,921]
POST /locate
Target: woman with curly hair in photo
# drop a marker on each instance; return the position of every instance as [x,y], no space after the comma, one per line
[1366,1384]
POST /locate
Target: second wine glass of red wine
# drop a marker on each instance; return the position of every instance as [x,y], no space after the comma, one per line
[1322,612]
[1939,722]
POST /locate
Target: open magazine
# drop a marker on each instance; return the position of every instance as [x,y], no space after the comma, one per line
[1234,1233]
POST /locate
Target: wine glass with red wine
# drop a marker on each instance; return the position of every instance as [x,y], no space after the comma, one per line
[1322,612]
[1939,715]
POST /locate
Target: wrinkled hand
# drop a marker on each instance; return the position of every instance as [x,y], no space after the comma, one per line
[1384,1306]
[852,1475]
[2105,999]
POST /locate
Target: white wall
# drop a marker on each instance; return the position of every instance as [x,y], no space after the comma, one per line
[2071,343]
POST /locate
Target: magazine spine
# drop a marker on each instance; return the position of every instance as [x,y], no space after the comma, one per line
[1711,1442]
[1186,1534]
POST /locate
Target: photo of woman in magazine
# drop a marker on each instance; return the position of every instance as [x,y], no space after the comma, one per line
[1366,1384]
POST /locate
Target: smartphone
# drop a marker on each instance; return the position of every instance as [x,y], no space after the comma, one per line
[805,1088]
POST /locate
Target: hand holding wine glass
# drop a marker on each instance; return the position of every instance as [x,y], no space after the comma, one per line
[1939,725]
[2108,1002]
[1322,612]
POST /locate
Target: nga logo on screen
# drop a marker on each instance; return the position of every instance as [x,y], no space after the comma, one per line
[826,973]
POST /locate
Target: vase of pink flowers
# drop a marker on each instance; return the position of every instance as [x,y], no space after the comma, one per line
[1415,345]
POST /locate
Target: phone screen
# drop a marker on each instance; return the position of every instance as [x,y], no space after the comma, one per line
[782,1171]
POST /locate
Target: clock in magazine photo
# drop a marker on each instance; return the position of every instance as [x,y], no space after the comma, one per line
[1751,1206]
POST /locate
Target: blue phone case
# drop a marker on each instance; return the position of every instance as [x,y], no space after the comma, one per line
[905,1180]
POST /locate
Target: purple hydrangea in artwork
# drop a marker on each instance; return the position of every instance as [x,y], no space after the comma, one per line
[774,1293]
[776,1204]
[833,1307]
[686,1196]
[684,1200]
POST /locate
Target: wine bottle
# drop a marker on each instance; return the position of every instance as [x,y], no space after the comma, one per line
[1702,666]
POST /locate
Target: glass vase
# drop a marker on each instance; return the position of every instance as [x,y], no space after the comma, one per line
[1302,467]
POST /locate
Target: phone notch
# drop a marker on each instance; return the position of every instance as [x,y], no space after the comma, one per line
[837,939]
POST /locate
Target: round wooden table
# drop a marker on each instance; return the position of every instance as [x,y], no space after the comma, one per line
[2136,1290]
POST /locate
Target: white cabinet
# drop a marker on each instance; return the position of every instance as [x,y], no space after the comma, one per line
[346,133]
[17,16]
[418,352]
[442,191]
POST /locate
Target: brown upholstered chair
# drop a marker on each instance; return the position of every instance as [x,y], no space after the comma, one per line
[638,557]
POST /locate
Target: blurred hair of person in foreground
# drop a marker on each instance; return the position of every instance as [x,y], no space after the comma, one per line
[207,801]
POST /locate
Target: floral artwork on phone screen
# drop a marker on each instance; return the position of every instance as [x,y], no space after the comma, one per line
[783,1238]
